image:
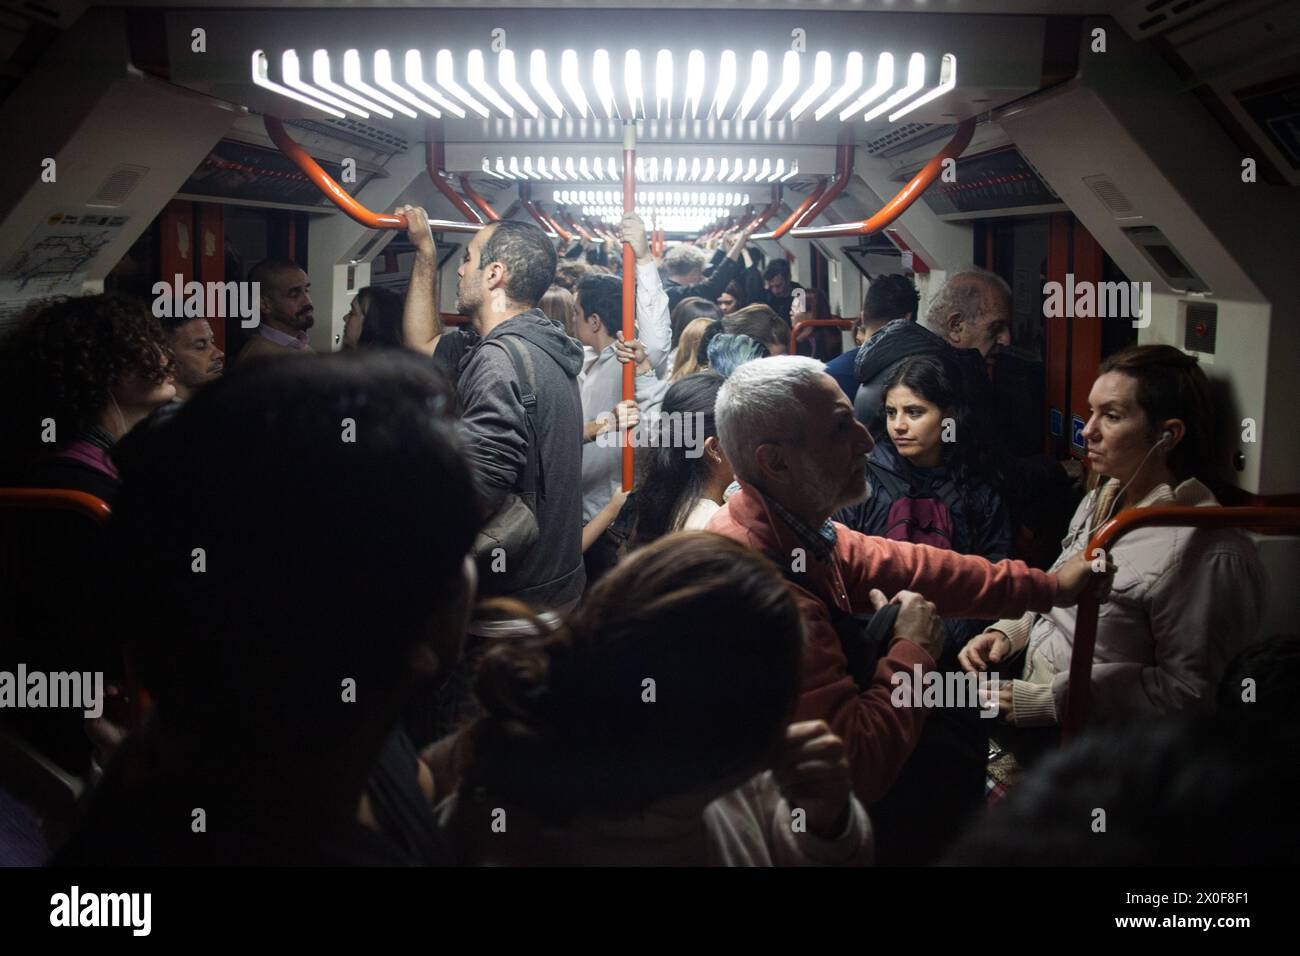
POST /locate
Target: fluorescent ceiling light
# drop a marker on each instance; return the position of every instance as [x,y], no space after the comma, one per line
[726,83]
[320,73]
[537,73]
[289,71]
[722,170]
[476,75]
[664,84]
[884,80]
[789,83]
[947,81]
[384,78]
[446,76]
[510,83]
[757,84]
[915,80]
[632,80]
[487,168]
[501,169]
[777,173]
[852,83]
[261,77]
[352,77]
[794,171]
[821,83]
[572,82]
[415,78]
[600,74]
[694,84]
[708,169]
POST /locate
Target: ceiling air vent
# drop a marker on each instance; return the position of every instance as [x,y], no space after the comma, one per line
[357,133]
[907,136]
[1149,17]
[1110,196]
[114,190]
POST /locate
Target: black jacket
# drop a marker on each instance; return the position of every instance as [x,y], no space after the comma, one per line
[903,338]
[495,429]
[712,287]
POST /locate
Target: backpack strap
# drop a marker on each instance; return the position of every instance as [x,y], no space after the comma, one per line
[892,483]
[530,479]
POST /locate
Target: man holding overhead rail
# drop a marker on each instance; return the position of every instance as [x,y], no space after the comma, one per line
[685,267]
[799,454]
[507,268]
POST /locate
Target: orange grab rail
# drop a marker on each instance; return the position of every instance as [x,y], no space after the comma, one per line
[434,162]
[815,324]
[548,226]
[629,284]
[906,196]
[468,189]
[771,210]
[339,196]
[797,215]
[1265,520]
[54,498]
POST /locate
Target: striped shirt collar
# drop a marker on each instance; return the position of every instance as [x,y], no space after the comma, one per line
[820,541]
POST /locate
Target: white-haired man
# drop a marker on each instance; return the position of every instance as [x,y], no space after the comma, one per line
[799,455]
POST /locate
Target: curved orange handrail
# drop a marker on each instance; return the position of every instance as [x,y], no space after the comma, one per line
[772,209]
[798,213]
[548,226]
[906,196]
[468,189]
[1265,520]
[815,324]
[57,499]
[434,162]
[339,196]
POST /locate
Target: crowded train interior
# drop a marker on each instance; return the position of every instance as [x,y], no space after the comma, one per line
[400,403]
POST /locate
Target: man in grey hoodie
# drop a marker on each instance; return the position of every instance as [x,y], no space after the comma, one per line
[506,268]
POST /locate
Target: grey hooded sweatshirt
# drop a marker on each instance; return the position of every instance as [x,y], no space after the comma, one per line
[495,428]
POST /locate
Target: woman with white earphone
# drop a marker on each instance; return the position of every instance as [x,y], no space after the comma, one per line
[1183,602]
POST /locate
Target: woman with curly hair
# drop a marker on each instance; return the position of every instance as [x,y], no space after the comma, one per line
[75,376]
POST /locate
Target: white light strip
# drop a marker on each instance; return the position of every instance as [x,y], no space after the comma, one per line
[695,169]
[778,172]
[384,77]
[821,83]
[582,168]
[415,77]
[537,73]
[352,77]
[947,81]
[570,170]
[514,168]
[632,80]
[487,168]
[289,71]
[613,169]
[852,83]
[446,70]
[794,171]
[765,170]
[476,76]
[749,173]
[654,168]
[789,83]
[541,169]
[600,75]
[757,84]
[261,77]
[320,73]
[509,81]
[664,84]
[681,169]
[740,168]
[915,80]
[708,169]
[571,80]
[884,80]
[694,84]
[501,169]
[726,83]
[722,170]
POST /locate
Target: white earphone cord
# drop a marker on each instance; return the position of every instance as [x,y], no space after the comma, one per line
[1166,436]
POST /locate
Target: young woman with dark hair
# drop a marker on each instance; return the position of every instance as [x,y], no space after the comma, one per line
[76,376]
[1183,600]
[653,728]
[688,310]
[680,488]
[374,319]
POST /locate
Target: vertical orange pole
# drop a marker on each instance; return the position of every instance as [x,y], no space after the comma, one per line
[629,283]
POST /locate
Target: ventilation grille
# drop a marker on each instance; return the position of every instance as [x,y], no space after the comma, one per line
[359,134]
[902,138]
[1110,195]
[114,190]
[1156,16]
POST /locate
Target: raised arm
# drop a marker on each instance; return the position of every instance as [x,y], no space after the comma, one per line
[421,323]
[654,328]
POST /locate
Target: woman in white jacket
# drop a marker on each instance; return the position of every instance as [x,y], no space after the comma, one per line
[1184,600]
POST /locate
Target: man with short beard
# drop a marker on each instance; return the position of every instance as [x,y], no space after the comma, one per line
[286,310]
[198,359]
